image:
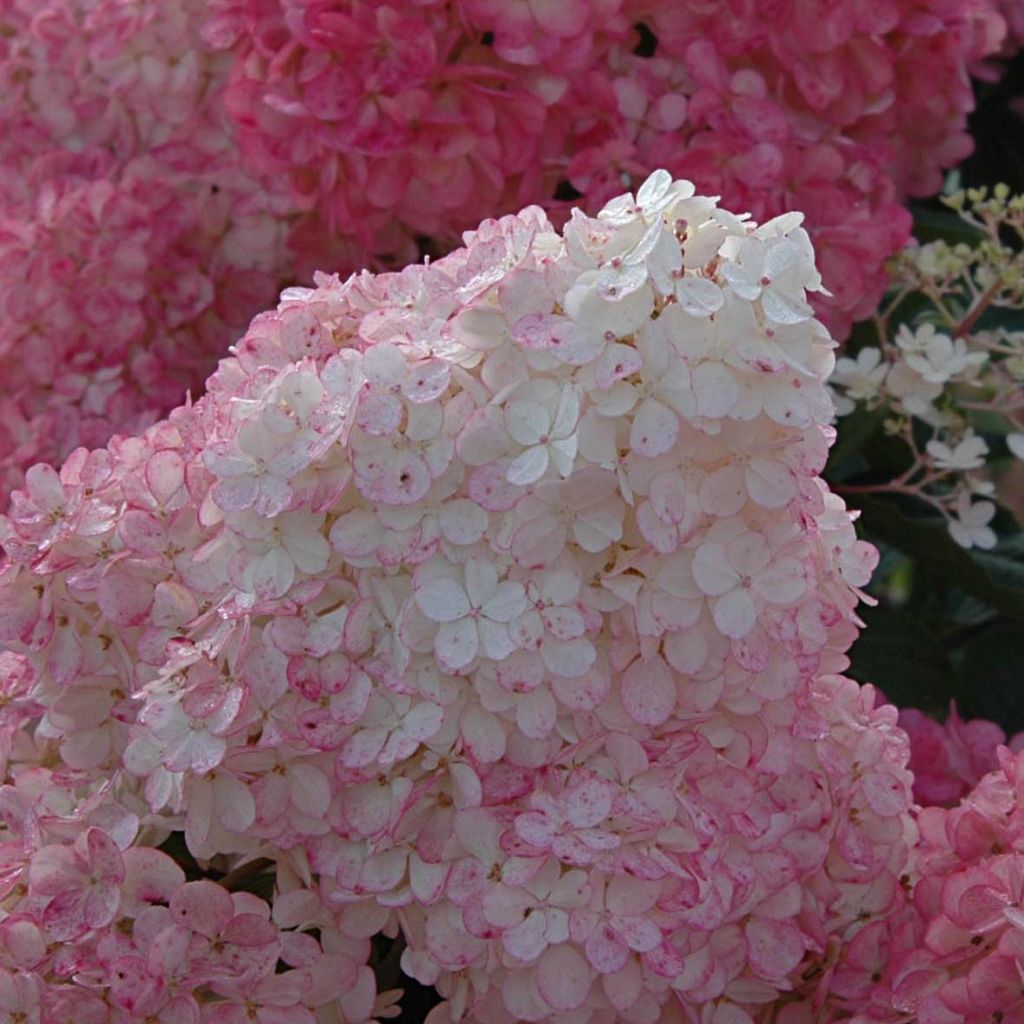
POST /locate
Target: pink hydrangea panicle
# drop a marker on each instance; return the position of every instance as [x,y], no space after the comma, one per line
[392,121]
[955,954]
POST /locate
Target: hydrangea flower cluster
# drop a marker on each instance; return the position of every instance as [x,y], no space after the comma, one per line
[439,114]
[945,366]
[499,604]
[133,245]
[98,926]
[955,959]
[948,759]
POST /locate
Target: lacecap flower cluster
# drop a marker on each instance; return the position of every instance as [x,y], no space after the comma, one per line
[497,603]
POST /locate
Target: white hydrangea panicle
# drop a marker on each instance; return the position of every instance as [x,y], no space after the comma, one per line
[502,596]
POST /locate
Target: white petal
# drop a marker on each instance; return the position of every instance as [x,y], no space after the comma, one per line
[567,415]
[495,639]
[712,570]
[654,430]
[784,309]
[654,188]
[442,599]
[735,614]
[528,467]
[527,422]
[273,573]
[716,390]
[560,586]
[507,601]
[356,534]
[782,582]
[308,547]
[748,553]
[770,483]
[536,713]
[698,296]
[462,521]
[568,659]
[722,493]
[563,455]
[456,644]
[481,581]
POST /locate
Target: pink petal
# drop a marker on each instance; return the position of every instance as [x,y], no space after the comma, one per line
[775,948]
[649,692]
[563,978]
[606,952]
[589,803]
[100,906]
[104,858]
[203,907]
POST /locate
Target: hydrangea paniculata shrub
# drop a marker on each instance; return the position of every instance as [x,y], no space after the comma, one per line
[499,604]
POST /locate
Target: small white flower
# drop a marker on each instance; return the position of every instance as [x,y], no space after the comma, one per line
[916,393]
[275,550]
[779,271]
[738,574]
[1015,442]
[936,357]
[544,423]
[474,615]
[861,378]
[969,526]
[968,454]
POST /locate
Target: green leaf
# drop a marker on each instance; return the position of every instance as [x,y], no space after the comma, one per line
[995,577]
[937,222]
[905,659]
[853,433]
[992,663]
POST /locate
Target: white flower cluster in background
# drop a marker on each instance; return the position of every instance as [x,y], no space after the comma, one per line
[948,373]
